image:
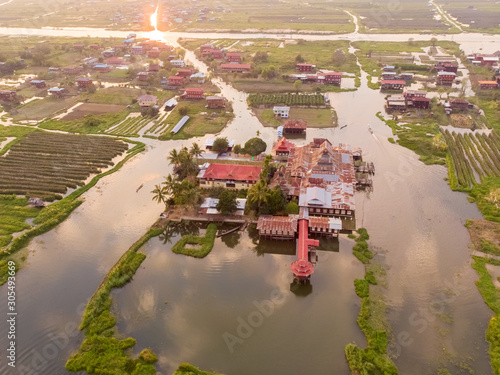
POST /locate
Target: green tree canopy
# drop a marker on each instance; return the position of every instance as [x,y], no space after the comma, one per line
[227,202]
[255,146]
[220,145]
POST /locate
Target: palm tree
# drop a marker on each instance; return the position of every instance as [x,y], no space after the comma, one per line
[171,185]
[259,193]
[174,157]
[159,194]
[195,151]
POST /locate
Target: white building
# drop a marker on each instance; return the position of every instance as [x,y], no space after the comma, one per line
[283,112]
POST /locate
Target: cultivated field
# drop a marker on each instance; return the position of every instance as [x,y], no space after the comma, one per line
[286,99]
[86,109]
[13,214]
[478,15]
[473,157]
[45,165]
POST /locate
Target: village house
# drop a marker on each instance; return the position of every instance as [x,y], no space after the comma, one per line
[38,83]
[7,95]
[446,66]
[215,102]
[445,78]
[395,103]
[115,61]
[488,85]
[53,70]
[294,127]
[154,68]
[175,81]
[406,76]
[333,78]
[147,100]
[205,47]
[177,63]
[137,50]
[281,111]
[90,61]
[143,76]
[83,83]
[239,68]
[233,57]
[198,77]
[389,75]
[72,70]
[209,143]
[216,54]
[278,226]
[305,68]
[193,93]
[94,46]
[459,105]
[108,53]
[410,94]
[281,149]
[58,92]
[418,102]
[484,60]
[389,68]
[392,84]
[229,176]
[170,104]
[103,68]
[153,53]
[184,72]
[209,207]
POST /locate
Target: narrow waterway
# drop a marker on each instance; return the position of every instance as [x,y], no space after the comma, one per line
[182,307]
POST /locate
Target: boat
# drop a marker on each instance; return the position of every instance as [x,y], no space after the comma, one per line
[370,129]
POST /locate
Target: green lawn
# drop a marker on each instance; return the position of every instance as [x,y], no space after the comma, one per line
[13,214]
[38,110]
[315,118]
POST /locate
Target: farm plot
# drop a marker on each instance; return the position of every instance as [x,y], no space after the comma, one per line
[473,157]
[13,214]
[131,126]
[159,125]
[286,99]
[45,165]
[92,109]
[480,14]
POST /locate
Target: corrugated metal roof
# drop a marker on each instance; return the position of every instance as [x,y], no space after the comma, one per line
[180,124]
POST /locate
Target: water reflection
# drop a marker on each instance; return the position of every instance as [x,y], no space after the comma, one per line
[301,288]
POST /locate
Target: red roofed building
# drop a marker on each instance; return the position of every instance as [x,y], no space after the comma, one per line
[392,84]
[282,149]
[277,226]
[175,81]
[240,68]
[294,127]
[154,68]
[83,83]
[184,72]
[7,95]
[115,61]
[301,67]
[488,84]
[333,78]
[193,93]
[233,57]
[215,102]
[231,176]
[153,53]
[215,53]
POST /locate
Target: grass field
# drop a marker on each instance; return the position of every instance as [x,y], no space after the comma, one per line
[477,16]
[38,110]
[45,165]
[201,120]
[13,214]
[105,121]
[315,118]
[113,95]
[86,109]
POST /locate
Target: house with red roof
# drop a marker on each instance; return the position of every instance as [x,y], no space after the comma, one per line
[233,57]
[192,93]
[239,68]
[230,176]
[392,84]
[83,83]
[175,81]
[282,149]
[302,67]
[332,78]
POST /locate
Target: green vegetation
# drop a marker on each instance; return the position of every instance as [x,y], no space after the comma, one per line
[486,196]
[105,121]
[315,118]
[45,164]
[202,121]
[187,369]
[227,202]
[374,358]
[289,99]
[13,214]
[422,137]
[101,352]
[205,243]
[292,208]
[360,250]
[254,146]
[130,127]
[113,95]
[37,110]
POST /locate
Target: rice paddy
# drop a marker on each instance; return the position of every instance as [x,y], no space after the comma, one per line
[45,165]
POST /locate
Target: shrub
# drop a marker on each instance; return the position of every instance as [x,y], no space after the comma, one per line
[206,242]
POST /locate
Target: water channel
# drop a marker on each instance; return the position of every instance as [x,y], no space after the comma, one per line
[182,307]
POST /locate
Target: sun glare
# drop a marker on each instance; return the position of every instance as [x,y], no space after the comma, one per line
[155,34]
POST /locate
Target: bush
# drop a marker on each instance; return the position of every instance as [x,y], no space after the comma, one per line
[206,242]
[255,146]
[292,208]
[183,110]
[362,288]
